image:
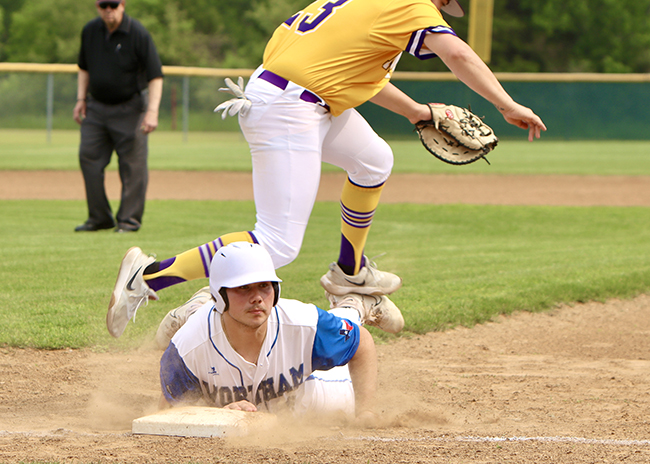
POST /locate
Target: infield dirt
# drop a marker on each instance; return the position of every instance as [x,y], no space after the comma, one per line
[567,386]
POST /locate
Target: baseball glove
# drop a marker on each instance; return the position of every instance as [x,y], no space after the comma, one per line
[455,135]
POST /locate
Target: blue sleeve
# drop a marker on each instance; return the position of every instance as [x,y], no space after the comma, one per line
[336,341]
[177,382]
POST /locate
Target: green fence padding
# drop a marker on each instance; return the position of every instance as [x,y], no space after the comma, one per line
[576,110]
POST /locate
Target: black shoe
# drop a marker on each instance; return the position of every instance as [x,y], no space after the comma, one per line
[90,227]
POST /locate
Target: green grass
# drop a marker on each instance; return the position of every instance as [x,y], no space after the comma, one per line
[461,264]
[28,149]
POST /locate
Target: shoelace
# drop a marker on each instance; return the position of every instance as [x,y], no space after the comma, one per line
[144,299]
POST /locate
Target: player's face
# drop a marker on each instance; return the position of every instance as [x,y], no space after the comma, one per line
[251,304]
[111,14]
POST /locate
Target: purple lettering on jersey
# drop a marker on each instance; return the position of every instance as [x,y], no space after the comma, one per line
[290,21]
[327,10]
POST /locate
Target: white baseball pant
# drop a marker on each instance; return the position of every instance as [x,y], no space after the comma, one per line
[288,139]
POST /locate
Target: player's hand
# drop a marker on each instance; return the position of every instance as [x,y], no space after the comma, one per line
[421,113]
[79,112]
[524,118]
[242,405]
[150,122]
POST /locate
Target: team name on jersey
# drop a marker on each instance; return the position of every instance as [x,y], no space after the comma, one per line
[267,390]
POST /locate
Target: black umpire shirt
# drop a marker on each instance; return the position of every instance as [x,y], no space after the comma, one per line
[120,64]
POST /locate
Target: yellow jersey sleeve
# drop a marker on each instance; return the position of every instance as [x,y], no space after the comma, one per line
[345,51]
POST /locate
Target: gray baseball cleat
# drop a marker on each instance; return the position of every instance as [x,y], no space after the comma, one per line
[375,310]
[369,281]
[175,318]
[130,291]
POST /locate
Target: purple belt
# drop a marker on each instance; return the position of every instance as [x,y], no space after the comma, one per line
[282,83]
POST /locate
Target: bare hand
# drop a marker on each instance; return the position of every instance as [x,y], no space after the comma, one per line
[79,112]
[150,122]
[524,118]
[242,405]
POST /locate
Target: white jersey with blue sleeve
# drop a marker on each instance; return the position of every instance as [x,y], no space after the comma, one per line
[301,338]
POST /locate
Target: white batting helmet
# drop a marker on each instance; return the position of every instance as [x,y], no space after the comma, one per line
[237,264]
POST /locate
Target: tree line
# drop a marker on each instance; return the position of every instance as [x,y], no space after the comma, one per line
[605,36]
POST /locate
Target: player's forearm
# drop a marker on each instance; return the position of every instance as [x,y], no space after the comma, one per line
[83,78]
[155,94]
[363,371]
[469,68]
[393,99]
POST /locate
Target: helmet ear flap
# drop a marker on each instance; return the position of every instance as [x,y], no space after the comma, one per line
[222,302]
[276,290]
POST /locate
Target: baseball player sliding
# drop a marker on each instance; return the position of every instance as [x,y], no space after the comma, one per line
[298,111]
[243,347]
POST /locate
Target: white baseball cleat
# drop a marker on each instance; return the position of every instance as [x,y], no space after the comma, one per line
[369,281]
[375,310]
[130,291]
[175,318]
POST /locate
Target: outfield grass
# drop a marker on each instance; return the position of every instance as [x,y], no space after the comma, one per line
[28,149]
[461,264]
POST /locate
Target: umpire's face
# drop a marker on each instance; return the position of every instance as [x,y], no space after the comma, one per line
[250,305]
[111,12]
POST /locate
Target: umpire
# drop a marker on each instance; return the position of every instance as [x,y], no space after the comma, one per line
[118,95]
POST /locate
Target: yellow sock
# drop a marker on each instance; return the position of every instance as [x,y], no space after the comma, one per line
[358,205]
[191,264]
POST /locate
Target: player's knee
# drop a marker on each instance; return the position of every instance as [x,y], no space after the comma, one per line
[282,251]
[375,165]
[384,158]
[285,256]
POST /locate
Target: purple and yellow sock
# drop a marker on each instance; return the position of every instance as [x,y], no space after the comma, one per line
[358,205]
[190,265]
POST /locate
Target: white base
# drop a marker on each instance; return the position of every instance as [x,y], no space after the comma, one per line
[194,421]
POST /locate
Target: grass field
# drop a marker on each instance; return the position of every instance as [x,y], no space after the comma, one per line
[461,264]
[28,149]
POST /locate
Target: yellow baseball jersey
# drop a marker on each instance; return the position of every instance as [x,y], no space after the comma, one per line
[346,50]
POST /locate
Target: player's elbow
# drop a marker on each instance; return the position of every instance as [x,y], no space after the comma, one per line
[365,359]
[458,56]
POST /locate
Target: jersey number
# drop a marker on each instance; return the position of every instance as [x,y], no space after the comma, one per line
[310,23]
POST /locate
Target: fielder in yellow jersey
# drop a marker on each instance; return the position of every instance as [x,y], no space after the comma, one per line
[348,49]
[297,111]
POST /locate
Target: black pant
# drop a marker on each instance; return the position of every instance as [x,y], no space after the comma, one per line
[107,128]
